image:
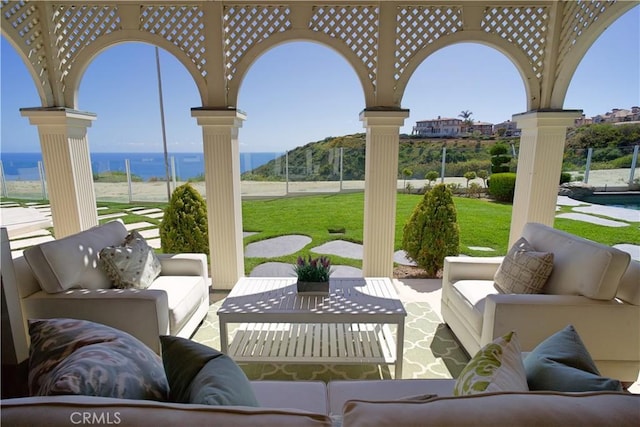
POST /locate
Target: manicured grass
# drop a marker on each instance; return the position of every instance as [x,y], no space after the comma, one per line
[311,216]
[482,223]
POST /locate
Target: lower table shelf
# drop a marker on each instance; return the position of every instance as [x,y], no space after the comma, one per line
[336,343]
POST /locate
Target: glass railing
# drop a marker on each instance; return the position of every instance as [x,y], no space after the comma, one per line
[143,176]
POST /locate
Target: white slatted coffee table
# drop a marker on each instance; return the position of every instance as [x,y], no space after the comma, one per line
[354,324]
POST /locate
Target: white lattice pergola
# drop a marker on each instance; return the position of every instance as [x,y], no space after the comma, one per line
[384,42]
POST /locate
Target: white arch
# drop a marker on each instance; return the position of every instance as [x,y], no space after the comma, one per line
[87,55]
[46,97]
[583,44]
[255,52]
[517,58]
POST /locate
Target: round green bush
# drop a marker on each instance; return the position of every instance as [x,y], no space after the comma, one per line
[502,186]
[432,231]
[184,225]
[565,177]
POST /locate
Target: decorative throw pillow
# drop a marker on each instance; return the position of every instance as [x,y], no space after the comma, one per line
[496,367]
[132,265]
[201,374]
[71,356]
[562,363]
[523,270]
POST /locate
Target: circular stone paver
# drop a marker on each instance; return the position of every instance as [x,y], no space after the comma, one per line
[340,248]
[273,269]
[277,246]
[400,257]
[345,271]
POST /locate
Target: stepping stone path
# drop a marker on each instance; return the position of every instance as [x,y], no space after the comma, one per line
[340,248]
[273,269]
[611,212]
[592,219]
[138,225]
[277,246]
[112,215]
[400,257]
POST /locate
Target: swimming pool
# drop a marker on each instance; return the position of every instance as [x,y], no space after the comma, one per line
[627,200]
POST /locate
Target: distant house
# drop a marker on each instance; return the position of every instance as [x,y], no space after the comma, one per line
[582,120]
[485,128]
[510,128]
[442,126]
[618,115]
[447,126]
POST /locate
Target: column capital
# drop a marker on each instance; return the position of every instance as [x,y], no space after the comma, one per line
[546,118]
[383,116]
[58,116]
[207,116]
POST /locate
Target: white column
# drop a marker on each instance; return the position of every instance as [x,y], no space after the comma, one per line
[65,153]
[223,196]
[380,189]
[539,166]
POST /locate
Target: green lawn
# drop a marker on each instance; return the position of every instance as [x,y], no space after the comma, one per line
[482,223]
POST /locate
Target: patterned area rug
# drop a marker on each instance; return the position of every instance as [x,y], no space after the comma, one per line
[430,351]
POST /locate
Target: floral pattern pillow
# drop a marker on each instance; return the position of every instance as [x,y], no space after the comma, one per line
[78,357]
[497,366]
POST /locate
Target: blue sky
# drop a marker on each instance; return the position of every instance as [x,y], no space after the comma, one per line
[285,110]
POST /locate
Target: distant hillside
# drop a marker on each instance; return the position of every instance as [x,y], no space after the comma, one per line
[612,145]
[320,160]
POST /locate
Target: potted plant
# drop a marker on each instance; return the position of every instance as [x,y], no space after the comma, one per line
[313,274]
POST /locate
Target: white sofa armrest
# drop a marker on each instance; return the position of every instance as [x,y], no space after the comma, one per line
[469,268]
[188,264]
[539,316]
[129,310]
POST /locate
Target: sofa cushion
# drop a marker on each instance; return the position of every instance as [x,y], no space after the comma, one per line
[496,367]
[563,363]
[65,411]
[629,289]
[70,356]
[203,375]
[470,300]
[549,409]
[183,300]
[133,264]
[72,261]
[523,270]
[581,266]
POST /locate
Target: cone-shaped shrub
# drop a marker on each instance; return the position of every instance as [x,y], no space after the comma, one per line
[184,225]
[432,231]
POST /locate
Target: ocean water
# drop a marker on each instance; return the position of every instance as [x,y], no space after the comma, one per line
[24,166]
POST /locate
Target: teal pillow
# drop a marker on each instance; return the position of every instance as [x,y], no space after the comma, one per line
[562,363]
[200,374]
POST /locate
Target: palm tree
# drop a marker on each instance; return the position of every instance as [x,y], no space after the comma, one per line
[466,118]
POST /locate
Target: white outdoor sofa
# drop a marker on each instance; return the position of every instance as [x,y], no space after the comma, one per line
[592,286]
[61,278]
